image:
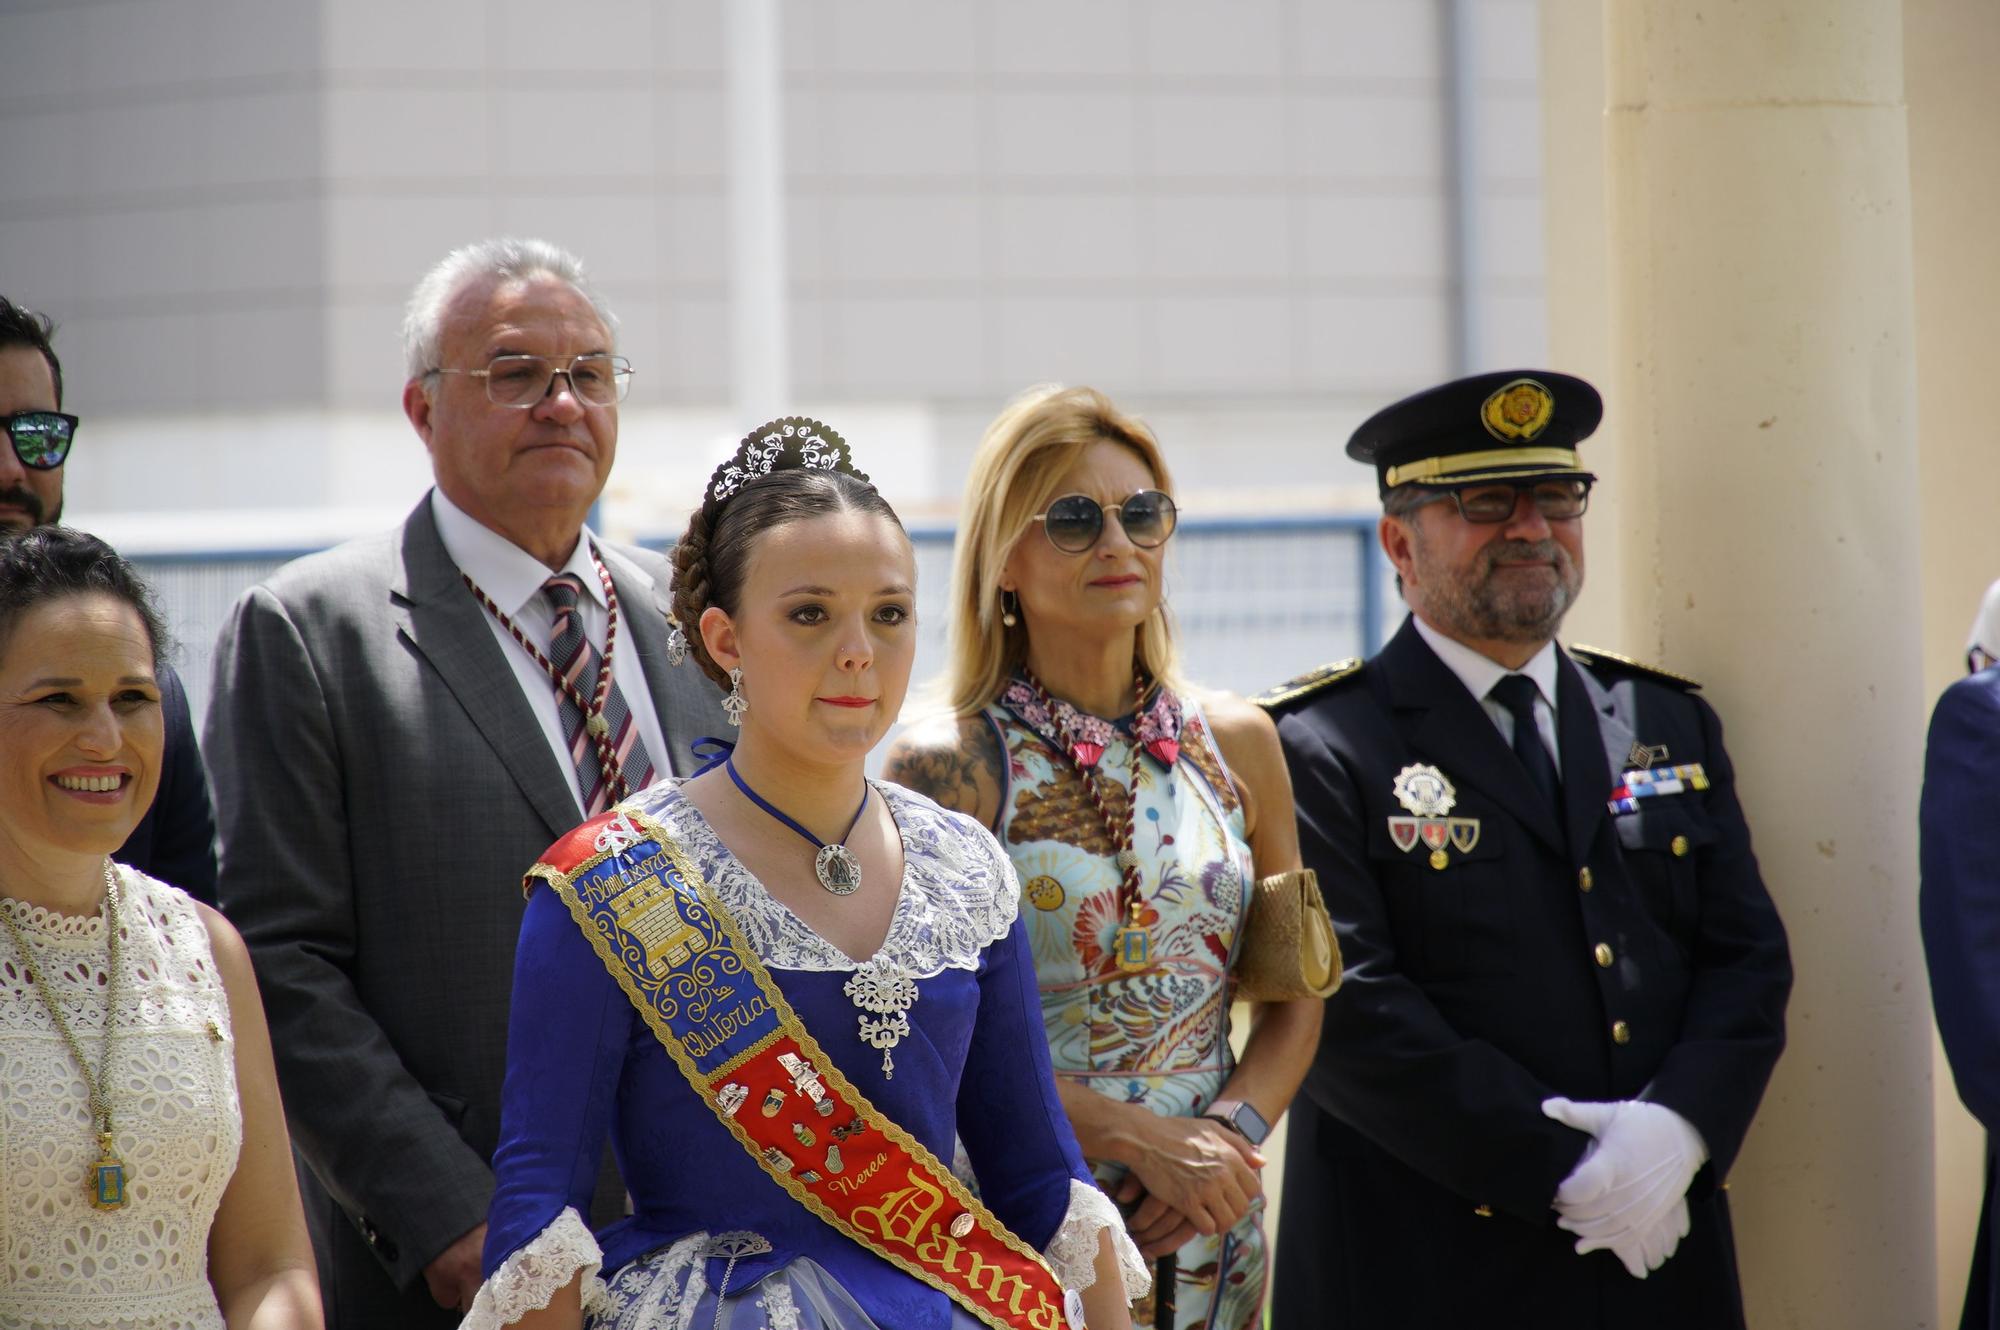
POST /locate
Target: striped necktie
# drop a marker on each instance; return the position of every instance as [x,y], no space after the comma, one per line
[572,654]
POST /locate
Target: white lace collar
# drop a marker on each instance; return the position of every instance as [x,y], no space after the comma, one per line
[54,926]
[958,895]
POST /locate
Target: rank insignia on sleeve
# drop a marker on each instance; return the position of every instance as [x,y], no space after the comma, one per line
[1429,797]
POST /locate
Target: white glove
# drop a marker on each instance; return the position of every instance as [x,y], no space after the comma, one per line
[1628,1194]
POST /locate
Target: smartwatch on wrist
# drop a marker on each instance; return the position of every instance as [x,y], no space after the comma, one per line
[1241,1118]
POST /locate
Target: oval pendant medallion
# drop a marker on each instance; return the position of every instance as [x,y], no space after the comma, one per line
[839,871]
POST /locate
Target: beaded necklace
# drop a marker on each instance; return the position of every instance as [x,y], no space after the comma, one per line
[1084,739]
[106,1184]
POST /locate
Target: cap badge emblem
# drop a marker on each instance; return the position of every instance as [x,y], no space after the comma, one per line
[1518,411]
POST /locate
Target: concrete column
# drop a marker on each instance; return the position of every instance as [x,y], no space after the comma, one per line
[1951,48]
[1762,333]
[1578,291]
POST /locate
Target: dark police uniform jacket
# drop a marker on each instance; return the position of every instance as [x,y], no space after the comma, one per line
[1634,955]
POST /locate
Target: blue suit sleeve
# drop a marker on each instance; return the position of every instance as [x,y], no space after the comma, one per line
[567,1036]
[1958,901]
[1010,1117]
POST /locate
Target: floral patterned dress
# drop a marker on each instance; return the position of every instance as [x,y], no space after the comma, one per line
[1158,1036]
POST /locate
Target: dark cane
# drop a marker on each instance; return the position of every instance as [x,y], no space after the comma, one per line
[1165,1270]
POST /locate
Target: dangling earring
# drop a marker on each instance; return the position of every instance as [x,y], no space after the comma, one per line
[1009,602]
[735,704]
[677,642]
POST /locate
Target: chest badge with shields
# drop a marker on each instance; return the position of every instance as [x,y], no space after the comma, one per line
[1429,797]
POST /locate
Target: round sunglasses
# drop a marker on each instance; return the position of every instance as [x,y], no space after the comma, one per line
[1074,522]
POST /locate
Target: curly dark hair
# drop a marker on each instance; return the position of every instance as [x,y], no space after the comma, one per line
[46,563]
[712,557]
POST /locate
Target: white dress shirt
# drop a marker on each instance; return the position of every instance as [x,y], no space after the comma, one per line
[513,578]
[1479,673]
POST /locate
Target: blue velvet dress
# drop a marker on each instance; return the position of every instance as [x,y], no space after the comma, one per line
[582,1063]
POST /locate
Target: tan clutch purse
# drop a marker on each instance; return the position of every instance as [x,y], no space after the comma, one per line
[1289,949]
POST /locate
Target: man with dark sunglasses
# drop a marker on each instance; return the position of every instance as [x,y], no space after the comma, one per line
[1566,982]
[38,434]
[175,841]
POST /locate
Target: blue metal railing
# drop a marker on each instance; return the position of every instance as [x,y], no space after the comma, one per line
[1256,599]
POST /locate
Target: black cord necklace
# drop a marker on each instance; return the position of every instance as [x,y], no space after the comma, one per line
[836,867]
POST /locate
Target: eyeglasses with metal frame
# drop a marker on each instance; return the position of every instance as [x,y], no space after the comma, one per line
[41,439]
[1075,522]
[1491,502]
[520,382]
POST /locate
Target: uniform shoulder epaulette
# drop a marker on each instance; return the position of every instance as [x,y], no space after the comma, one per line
[1308,683]
[1611,660]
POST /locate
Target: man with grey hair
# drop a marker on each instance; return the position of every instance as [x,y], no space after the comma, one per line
[399,727]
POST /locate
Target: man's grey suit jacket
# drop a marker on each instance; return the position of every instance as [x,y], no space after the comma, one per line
[382,784]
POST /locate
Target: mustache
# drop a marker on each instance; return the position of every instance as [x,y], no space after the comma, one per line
[25,499]
[1518,551]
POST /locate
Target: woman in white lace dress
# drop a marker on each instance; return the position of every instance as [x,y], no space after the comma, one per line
[145,1175]
[796,585]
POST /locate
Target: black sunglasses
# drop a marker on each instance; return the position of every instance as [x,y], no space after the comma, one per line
[41,438]
[1074,522]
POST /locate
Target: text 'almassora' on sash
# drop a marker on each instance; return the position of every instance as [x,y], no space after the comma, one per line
[680,958]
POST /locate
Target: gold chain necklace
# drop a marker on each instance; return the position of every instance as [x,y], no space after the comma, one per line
[106,1186]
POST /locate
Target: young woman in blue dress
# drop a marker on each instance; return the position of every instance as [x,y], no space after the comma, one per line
[887,924]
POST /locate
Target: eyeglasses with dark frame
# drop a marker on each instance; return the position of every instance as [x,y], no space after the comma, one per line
[522,381]
[41,439]
[1491,502]
[1075,522]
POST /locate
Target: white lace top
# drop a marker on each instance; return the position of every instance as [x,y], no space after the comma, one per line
[174,1107]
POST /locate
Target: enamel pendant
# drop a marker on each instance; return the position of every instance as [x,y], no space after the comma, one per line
[838,870]
[107,1177]
[1132,945]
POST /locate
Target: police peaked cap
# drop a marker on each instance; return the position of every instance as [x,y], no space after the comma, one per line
[1501,426]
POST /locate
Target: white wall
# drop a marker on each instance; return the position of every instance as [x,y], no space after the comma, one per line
[1231,215]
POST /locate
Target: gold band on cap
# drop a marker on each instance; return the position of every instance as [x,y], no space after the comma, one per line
[1430,468]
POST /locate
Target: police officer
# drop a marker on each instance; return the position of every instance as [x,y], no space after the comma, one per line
[1566,983]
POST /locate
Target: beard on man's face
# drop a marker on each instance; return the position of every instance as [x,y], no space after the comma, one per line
[29,502]
[1477,603]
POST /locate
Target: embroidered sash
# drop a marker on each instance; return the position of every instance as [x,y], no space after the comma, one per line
[707,997]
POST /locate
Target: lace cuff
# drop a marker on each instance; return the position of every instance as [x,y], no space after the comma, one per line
[527,1279]
[1072,1252]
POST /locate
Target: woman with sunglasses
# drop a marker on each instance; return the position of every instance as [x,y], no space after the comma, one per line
[1137,816]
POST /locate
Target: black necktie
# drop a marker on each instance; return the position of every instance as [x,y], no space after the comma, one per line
[1517,693]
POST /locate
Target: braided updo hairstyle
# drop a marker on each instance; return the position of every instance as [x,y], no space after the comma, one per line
[713,556]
